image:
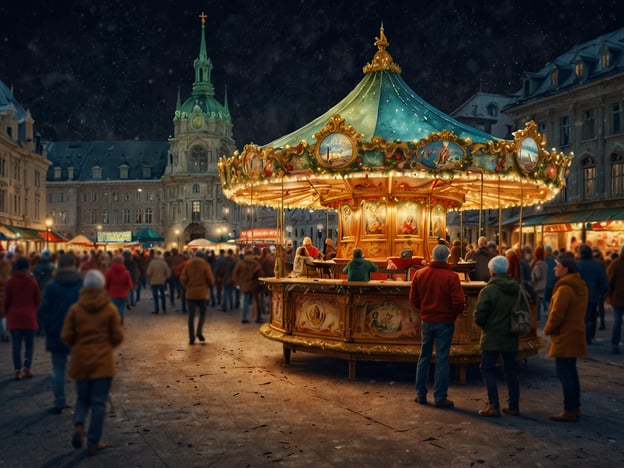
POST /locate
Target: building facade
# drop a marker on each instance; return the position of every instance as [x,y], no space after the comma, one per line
[577,102]
[110,190]
[23,167]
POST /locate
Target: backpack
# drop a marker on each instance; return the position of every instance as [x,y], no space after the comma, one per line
[521,315]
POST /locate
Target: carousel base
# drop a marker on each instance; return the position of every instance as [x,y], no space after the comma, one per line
[370,321]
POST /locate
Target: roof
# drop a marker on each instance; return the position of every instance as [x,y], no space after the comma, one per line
[109,156]
[8,101]
[589,55]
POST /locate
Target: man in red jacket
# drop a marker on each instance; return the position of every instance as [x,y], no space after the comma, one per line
[437,294]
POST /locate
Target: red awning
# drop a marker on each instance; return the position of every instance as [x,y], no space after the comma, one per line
[51,236]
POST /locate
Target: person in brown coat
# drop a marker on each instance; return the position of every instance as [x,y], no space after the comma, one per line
[566,328]
[92,329]
[5,274]
[245,275]
[196,279]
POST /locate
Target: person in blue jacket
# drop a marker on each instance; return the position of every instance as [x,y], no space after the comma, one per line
[58,295]
[358,268]
[595,278]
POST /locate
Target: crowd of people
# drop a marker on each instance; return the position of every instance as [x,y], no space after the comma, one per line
[571,288]
[78,302]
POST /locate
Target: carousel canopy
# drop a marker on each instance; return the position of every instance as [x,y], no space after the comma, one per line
[384,141]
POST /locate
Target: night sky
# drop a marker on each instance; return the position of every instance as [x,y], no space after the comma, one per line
[90,69]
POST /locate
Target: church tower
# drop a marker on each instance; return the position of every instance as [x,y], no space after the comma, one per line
[195,204]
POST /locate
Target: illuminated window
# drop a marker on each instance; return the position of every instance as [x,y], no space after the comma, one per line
[605,58]
[578,69]
[589,177]
[553,77]
[196,211]
[617,174]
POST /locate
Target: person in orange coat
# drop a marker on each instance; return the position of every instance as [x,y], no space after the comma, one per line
[20,303]
[566,328]
[92,329]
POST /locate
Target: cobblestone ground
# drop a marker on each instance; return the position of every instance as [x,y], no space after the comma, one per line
[230,402]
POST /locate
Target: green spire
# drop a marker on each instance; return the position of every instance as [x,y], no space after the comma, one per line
[225,101]
[203,66]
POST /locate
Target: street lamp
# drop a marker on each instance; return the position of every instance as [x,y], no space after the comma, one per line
[319,232]
[48,223]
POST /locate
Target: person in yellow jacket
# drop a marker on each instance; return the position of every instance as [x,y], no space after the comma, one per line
[566,328]
[92,329]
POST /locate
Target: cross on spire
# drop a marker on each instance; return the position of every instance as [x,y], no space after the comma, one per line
[203,18]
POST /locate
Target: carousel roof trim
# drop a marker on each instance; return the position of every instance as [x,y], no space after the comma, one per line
[383,141]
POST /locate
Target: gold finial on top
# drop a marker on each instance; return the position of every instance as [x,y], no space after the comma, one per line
[203,18]
[382,59]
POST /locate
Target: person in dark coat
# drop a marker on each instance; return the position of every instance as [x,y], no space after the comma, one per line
[21,299]
[196,279]
[57,297]
[481,256]
[245,275]
[492,315]
[595,278]
[615,297]
[224,273]
[358,268]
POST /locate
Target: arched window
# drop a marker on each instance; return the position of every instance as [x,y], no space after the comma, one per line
[492,109]
[199,160]
[617,174]
[588,164]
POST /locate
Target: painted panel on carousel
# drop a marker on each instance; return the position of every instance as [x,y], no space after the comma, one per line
[320,314]
[528,154]
[277,307]
[348,222]
[374,214]
[407,218]
[441,155]
[388,319]
[336,150]
[438,222]
[253,165]
[373,160]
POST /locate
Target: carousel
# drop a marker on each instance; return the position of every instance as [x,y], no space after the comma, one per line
[392,167]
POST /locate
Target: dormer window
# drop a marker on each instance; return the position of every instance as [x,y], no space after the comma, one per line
[70,173]
[492,109]
[123,171]
[147,172]
[96,173]
[579,68]
[57,173]
[554,78]
[605,58]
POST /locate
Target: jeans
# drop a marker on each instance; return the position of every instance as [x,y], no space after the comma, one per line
[159,290]
[194,304]
[59,364]
[617,326]
[92,394]
[174,288]
[568,375]
[488,369]
[227,301]
[442,334]
[131,297]
[17,336]
[590,321]
[120,303]
[247,301]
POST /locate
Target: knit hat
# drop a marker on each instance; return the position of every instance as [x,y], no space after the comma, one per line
[585,251]
[498,265]
[358,253]
[94,279]
[67,261]
[21,264]
[568,262]
[441,253]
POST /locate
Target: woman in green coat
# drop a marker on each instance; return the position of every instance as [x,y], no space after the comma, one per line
[493,316]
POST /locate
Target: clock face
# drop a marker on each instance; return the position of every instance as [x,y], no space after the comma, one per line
[197,121]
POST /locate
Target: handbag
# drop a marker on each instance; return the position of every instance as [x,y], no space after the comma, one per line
[521,315]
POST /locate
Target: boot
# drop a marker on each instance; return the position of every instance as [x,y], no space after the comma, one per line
[567,416]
